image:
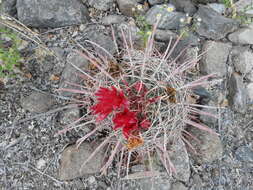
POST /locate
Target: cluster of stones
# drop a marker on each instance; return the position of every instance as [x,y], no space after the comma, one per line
[226,44]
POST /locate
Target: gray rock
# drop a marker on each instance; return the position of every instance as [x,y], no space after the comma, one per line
[244,153]
[53,13]
[196,182]
[204,95]
[184,6]
[154,2]
[213,25]
[184,44]
[126,7]
[242,59]
[190,54]
[165,35]
[215,58]
[169,20]
[113,19]
[178,186]
[249,13]
[37,102]
[97,36]
[209,120]
[9,7]
[249,76]
[158,183]
[242,5]
[242,36]
[102,5]
[237,93]
[209,148]
[204,1]
[134,30]
[180,159]
[70,74]
[138,168]
[218,7]
[70,115]
[250,91]
[72,159]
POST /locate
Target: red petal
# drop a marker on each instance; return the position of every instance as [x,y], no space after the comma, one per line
[108,100]
[126,120]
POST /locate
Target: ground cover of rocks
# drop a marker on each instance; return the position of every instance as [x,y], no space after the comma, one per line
[33,155]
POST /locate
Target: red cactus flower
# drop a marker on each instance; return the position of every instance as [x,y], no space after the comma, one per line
[126,120]
[108,100]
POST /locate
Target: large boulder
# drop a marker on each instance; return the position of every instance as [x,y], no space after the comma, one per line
[215,58]
[213,25]
[169,19]
[53,13]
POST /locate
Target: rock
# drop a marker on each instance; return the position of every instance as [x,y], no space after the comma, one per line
[126,7]
[96,35]
[82,27]
[134,30]
[154,2]
[242,36]
[53,13]
[158,183]
[178,186]
[23,45]
[213,25]
[102,5]
[204,95]
[138,168]
[204,1]
[169,19]
[215,58]
[196,182]
[70,115]
[208,149]
[243,6]
[184,6]
[250,91]
[72,159]
[37,102]
[237,93]
[242,59]
[41,164]
[9,7]
[165,35]
[209,120]
[218,7]
[113,19]
[91,180]
[70,74]
[180,159]
[188,40]
[190,54]
[249,13]
[244,153]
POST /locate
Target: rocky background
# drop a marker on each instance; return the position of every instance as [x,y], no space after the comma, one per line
[33,156]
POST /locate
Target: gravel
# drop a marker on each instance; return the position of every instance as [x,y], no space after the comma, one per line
[30,149]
